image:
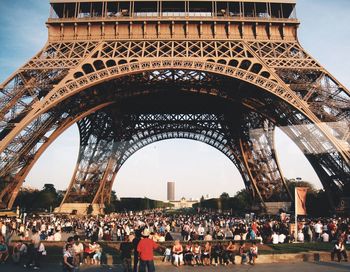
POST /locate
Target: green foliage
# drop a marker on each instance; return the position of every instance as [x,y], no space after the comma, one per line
[291,183]
[317,203]
[224,195]
[35,200]
[239,204]
[134,204]
[301,247]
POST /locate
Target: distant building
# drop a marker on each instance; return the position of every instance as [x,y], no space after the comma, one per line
[183,203]
[171,191]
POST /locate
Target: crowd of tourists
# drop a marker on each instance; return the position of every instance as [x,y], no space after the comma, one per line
[199,239]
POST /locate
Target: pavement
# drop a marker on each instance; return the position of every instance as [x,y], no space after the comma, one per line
[278,267]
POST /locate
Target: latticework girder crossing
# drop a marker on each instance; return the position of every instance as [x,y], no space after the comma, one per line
[221,79]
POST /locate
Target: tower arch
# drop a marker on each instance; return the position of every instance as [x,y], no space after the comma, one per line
[255,64]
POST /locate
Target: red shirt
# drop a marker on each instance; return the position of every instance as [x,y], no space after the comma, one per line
[145,249]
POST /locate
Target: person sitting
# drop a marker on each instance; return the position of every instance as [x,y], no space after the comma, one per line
[177,253]
[78,250]
[253,253]
[19,252]
[4,253]
[339,250]
[188,255]
[96,259]
[206,254]
[229,254]
[217,254]
[167,255]
[68,259]
[242,251]
[88,253]
[197,253]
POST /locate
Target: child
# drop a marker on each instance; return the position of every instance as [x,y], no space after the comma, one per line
[243,253]
[167,255]
[253,253]
[98,253]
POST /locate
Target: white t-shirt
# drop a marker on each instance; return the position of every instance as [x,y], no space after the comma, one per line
[300,237]
[201,230]
[275,238]
[325,237]
[3,230]
[78,248]
[281,238]
[318,228]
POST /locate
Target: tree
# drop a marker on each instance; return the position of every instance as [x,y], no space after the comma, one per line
[224,195]
[317,202]
[291,183]
[49,188]
[242,202]
[48,197]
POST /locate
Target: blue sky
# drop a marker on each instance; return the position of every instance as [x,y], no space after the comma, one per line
[196,168]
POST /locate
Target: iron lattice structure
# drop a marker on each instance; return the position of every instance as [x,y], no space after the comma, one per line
[131,73]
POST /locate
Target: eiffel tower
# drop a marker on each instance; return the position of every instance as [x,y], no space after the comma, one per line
[131,73]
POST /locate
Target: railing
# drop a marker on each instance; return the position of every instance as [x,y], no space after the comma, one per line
[165,14]
[173,15]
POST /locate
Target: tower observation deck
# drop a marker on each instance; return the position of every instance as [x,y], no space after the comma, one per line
[193,19]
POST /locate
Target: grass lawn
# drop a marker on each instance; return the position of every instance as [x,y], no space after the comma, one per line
[298,247]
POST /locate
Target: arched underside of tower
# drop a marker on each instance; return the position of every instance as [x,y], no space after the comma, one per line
[124,114]
[126,93]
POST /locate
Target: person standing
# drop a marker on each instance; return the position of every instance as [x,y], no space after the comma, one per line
[135,243]
[201,232]
[339,250]
[125,249]
[33,251]
[145,249]
[318,230]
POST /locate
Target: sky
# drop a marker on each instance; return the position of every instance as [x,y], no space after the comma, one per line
[197,168]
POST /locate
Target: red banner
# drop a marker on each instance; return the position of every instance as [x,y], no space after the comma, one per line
[300,200]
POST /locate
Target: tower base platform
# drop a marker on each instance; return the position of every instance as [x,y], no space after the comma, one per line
[80,208]
[275,207]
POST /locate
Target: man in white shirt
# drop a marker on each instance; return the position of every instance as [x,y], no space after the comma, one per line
[33,256]
[78,250]
[325,237]
[318,229]
[275,238]
[281,238]
[3,229]
[300,236]
[201,232]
